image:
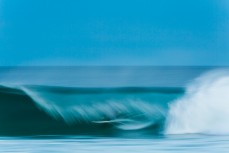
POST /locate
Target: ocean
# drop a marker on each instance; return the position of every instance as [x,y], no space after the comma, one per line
[114,109]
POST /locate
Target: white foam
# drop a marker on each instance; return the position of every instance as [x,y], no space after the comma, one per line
[204,108]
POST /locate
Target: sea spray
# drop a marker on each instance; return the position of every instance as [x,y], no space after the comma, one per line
[203,108]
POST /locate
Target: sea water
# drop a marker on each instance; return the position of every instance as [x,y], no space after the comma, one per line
[159,144]
[114,109]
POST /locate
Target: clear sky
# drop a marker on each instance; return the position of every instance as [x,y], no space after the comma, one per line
[114,32]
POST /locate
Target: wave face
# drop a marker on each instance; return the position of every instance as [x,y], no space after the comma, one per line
[48,110]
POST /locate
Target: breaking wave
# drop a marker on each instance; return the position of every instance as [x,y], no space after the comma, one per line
[56,110]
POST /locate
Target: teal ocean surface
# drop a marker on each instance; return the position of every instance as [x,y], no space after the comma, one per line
[114,109]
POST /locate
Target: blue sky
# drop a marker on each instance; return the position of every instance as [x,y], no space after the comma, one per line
[114,32]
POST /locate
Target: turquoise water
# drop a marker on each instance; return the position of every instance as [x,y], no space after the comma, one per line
[114,109]
[158,144]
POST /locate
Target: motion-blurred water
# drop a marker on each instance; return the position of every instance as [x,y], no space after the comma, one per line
[158,144]
[114,109]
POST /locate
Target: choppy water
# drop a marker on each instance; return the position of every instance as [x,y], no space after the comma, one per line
[158,144]
[114,109]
